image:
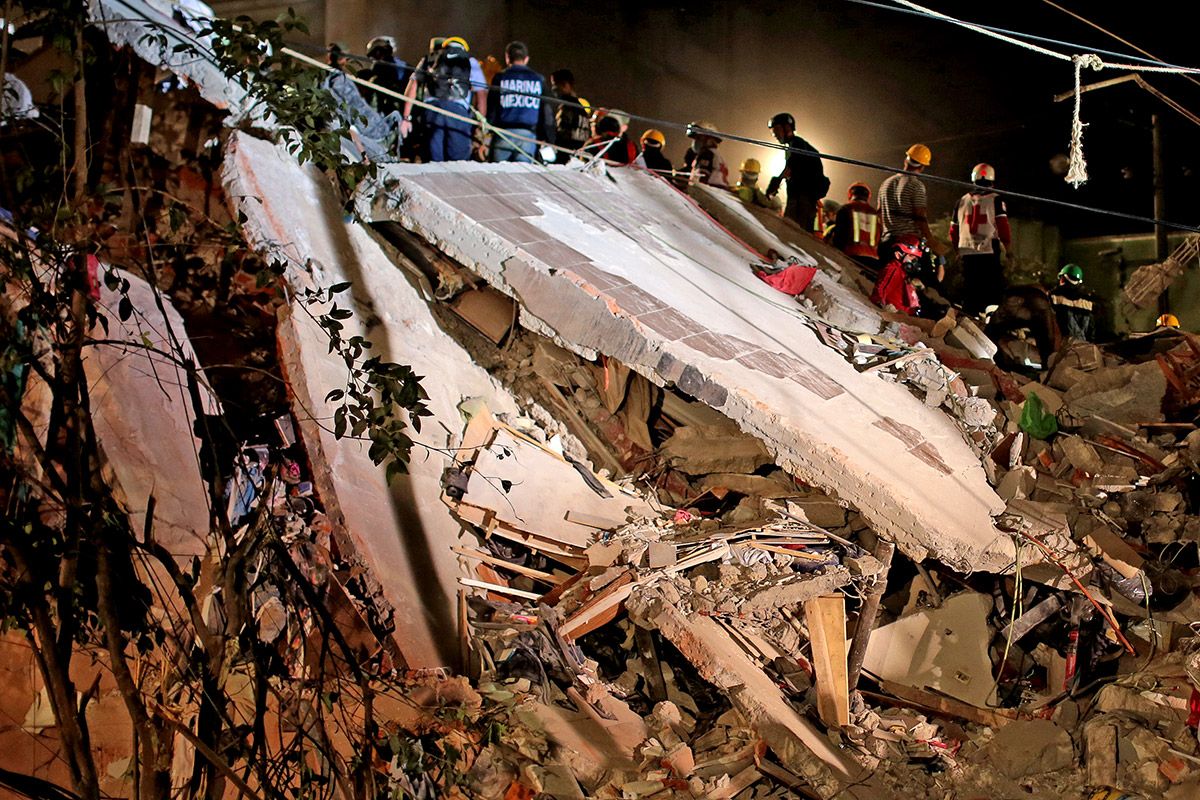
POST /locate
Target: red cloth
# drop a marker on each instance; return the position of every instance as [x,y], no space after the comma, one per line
[893,288]
[791,280]
[1194,709]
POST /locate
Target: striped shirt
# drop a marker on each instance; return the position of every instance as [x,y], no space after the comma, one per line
[899,198]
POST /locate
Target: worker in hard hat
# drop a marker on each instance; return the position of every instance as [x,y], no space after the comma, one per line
[387,71]
[702,159]
[827,210]
[857,228]
[747,187]
[803,171]
[451,79]
[1074,305]
[894,287]
[1166,321]
[902,205]
[980,229]
[652,157]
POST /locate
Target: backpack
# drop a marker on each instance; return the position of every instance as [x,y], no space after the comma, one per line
[450,74]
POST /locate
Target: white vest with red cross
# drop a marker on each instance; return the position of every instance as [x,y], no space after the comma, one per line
[976,221]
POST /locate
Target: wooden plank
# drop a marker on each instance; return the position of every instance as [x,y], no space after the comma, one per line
[493,587]
[529,572]
[600,609]
[922,700]
[800,554]
[593,521]
[826,619]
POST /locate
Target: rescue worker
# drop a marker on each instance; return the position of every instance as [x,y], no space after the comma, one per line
[572,125]
[652,157]
[827,210]
[980,228]
[804,173]
[1166,321]
[1024,313]
[386,70]
[448,77]
[902,205]
[747,186]
[515,107]
[1074,305]
[856,231]
[894,286]
[610,139]
[702,159]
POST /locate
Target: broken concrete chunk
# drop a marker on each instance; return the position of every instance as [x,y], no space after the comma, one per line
[1030,747]
[703,450]
[1081,455]
[1129,394]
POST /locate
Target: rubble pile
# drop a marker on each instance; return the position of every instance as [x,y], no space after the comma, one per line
[684,536]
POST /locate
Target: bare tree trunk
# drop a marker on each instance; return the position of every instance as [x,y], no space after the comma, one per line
[155,744]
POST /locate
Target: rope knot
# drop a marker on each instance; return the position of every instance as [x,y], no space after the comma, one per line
[1077,170]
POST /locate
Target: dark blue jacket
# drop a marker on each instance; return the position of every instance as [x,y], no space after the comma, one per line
[515,102]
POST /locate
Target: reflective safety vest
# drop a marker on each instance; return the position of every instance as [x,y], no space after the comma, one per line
[864,235]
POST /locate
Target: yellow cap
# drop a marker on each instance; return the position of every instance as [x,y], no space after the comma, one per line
[655,135]
[920,154]
[751,165]
[457,40]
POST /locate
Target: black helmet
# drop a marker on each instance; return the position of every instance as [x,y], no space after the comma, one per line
[782,118]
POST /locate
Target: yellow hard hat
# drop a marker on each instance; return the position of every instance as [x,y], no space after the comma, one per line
[587,107]
[751,165]
[1168,321]
[920,154]
[458,40]
[654,135]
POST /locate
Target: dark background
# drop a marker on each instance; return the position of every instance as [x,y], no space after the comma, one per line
[862,82]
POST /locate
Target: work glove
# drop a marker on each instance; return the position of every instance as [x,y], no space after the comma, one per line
[773,186]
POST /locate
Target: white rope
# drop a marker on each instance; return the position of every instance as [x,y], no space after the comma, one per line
[1077,170]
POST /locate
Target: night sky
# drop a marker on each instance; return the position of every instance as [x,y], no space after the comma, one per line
[862,82]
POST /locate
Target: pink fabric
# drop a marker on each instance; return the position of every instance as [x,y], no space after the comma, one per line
[791,280]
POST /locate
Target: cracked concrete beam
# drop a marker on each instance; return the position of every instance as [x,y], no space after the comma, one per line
[404,531]
[632,269]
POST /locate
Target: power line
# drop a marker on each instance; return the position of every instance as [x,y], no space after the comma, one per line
[1007,32]
[1109,33]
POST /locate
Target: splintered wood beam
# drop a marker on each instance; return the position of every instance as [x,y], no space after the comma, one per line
[826,619]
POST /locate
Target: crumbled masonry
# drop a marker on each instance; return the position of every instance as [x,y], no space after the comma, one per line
[631,554]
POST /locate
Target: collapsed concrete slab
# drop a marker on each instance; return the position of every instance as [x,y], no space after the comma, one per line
[404,531]
[153,29]
[628,267]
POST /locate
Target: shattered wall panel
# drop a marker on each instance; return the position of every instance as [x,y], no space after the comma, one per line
[405,531]
[151,28]
[632,269]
